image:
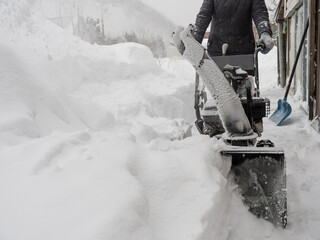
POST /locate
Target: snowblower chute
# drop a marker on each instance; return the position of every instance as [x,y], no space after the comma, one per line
[235,115]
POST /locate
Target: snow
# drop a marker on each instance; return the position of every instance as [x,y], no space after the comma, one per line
[119,16]
[96,143]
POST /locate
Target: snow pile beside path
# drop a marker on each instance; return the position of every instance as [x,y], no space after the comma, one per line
[89,140]
[128,16]
[100,186]
[43,76]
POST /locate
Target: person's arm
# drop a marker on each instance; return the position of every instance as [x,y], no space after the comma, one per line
[203,20]
[260,17]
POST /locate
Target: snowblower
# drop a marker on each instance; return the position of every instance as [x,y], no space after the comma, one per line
[235,115]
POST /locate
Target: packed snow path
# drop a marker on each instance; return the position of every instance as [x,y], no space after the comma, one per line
[97,143]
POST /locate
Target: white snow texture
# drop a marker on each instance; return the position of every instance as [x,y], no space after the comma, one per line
[96,142]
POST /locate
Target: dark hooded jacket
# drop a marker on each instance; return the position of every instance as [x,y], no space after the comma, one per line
[231,22]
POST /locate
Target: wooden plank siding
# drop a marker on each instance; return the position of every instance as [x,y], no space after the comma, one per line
[312,58]
[317,84]
[291,17]
[290,6]
[280,12]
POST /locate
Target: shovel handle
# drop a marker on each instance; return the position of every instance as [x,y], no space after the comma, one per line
[297,59]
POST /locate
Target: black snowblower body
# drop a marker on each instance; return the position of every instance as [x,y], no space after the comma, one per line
[234,114]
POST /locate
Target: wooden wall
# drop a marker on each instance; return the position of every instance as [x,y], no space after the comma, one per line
[314,60]
[290,6]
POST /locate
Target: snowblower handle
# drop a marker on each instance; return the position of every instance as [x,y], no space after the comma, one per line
[256,68]
[260,47]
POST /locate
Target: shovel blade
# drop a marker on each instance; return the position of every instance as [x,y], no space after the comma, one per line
[282,112]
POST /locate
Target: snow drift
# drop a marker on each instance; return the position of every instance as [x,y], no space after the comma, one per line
[89,144]
[95,144]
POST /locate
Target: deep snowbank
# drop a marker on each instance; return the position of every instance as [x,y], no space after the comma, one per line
[128,16]
[119,17]
[88,140]
[63,79]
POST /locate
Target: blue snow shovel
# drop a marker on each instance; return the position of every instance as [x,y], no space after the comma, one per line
[284,108]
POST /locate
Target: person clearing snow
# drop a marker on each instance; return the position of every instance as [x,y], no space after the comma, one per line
[231,34]
[258,167]
[231,23]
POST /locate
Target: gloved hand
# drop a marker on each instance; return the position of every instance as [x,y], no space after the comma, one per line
[266,42]
[177,40]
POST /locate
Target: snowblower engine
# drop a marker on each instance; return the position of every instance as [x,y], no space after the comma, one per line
[256,108]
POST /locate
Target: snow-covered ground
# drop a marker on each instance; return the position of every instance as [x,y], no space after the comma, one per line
[96,142]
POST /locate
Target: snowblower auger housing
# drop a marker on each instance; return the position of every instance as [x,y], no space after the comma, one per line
[235,115]
[260,174]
